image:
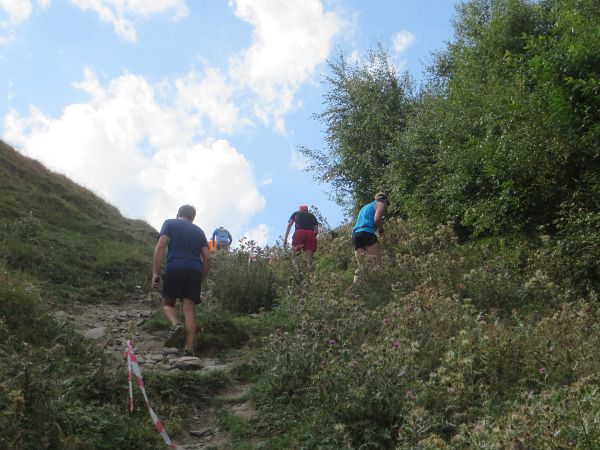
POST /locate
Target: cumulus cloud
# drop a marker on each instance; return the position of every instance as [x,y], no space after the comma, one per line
[16,11]
[13,13]
[209,96]
[402,40]
[121,13]
[258,234]
[143,155]
[290,39]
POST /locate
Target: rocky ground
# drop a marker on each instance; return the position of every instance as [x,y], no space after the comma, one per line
[111,325]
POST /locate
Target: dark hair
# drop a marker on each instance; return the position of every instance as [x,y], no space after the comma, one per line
[187,212]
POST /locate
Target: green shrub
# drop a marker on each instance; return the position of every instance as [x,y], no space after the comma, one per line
[242,280]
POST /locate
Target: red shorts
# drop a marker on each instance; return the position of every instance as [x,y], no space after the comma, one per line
[304,240]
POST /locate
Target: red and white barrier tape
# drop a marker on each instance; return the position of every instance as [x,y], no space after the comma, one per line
[133,366]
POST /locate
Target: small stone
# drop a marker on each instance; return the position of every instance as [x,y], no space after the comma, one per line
[170,351]
[95,334]
[60,315]
[202,433]
[188,363]
[140,322]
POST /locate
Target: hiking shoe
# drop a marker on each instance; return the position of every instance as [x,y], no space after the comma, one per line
[188,352]
[175,335]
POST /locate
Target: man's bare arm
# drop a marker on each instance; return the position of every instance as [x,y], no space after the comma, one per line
[379,210]
[159,253]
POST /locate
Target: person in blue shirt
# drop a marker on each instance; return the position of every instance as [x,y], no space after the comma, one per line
[221,239]
[368,224]
[188,262]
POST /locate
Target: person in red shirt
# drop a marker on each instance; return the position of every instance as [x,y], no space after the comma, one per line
[305,234]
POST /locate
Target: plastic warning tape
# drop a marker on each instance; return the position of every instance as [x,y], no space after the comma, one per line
[134,367]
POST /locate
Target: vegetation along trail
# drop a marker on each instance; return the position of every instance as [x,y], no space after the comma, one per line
[477,325]
[110,325]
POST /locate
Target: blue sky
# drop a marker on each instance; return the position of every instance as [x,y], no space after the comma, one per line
[156,103]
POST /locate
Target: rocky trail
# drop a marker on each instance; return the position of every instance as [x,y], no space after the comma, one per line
[111,325]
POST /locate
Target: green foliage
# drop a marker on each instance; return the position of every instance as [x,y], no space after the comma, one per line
[367,105]
[503,134]
[455,344]
[242,280]
[55,392]
[75,244]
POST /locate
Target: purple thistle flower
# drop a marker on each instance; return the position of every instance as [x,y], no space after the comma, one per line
[332,341]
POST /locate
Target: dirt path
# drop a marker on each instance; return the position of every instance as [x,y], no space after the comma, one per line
[111,325]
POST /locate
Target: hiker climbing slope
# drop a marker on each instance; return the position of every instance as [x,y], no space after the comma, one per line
[188,262]
[364,237]
[221,239]
[305,233]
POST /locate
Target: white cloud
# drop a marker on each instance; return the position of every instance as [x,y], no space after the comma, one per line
[258,234]
[16,11]
[402,40]
[12,14]
[142,155]
[120,13]
[210,97]
[290,39]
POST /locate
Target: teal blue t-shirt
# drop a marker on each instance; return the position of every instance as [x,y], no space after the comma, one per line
[366,219]
[185,244]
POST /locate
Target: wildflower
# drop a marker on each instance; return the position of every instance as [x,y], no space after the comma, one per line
[386,321]
[323,362]
[332,341]
[542,370]
[395,343]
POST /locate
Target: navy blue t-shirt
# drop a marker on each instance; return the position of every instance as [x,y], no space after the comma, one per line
[185,244]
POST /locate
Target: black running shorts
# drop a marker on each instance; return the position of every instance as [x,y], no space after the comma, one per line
[363,239]
[183,284]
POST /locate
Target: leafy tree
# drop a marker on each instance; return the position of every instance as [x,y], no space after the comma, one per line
[367,104]
[507,129]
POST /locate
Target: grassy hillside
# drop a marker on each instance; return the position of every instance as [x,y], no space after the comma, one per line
[483,344]
[60,242]
[75,244]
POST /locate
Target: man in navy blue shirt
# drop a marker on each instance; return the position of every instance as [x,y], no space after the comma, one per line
[188,261]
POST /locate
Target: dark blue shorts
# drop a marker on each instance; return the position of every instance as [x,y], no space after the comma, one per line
[183,284]
[363,239]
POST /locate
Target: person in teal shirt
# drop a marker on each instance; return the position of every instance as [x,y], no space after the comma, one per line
[368,224]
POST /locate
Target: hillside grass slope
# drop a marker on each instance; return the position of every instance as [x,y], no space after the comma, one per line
[73,243]
[60,243]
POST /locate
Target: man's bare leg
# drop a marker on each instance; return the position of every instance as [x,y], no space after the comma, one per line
[360,254]
[170,311]
[374,251]
[189,317]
